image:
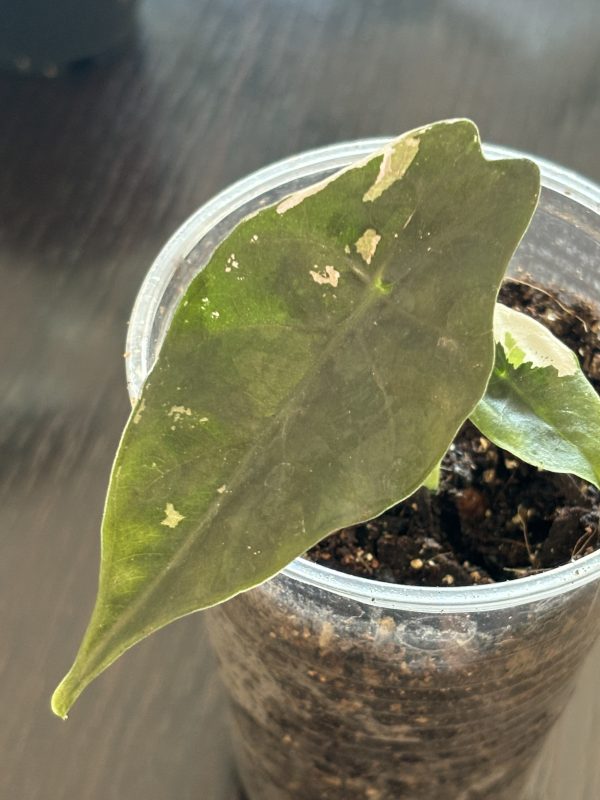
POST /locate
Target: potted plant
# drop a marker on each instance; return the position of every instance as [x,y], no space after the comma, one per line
[322,338]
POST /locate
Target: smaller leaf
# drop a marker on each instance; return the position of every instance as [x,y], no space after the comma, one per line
[538,403]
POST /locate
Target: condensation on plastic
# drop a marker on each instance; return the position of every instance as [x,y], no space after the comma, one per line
[344,688]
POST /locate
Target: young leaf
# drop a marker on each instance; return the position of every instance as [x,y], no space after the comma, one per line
[313,375]
[538,403]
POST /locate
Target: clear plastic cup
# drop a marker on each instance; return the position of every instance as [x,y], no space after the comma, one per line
[345,688]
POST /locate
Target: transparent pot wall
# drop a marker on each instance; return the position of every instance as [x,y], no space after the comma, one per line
[348,689]
[338,700]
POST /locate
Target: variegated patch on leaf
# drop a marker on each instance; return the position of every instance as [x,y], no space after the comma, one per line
[538,404]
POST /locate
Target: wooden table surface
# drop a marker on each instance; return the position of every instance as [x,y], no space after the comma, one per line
[96,170]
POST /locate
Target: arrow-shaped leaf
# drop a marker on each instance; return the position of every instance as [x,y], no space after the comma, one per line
[313,375]
[538,403]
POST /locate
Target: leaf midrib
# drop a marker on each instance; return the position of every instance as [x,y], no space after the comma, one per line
[218,504]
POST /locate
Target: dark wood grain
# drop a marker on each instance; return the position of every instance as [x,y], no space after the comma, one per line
[97,169]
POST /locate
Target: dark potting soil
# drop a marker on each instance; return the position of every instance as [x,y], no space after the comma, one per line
[494,517]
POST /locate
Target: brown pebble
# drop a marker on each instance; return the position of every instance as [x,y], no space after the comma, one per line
[387,624]
[489,476]
[471,504]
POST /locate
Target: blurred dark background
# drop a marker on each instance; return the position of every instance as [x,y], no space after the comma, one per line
[97,168]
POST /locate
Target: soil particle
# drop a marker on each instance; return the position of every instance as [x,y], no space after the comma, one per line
[495,517]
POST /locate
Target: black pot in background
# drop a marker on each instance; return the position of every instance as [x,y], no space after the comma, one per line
[46,36]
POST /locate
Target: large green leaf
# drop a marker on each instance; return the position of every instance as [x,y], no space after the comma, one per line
[538,403]
[313,375]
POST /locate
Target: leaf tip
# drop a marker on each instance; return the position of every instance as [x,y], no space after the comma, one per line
[65,694]
[59,704]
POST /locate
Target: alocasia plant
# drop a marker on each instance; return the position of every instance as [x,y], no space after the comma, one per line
[314,374]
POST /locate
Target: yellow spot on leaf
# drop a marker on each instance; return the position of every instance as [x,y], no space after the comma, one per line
[330,277]
[397,158]
[447,344]
[178,411]
[295,199]
[221,489]
[367,244]
[172,517]
[138,414]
